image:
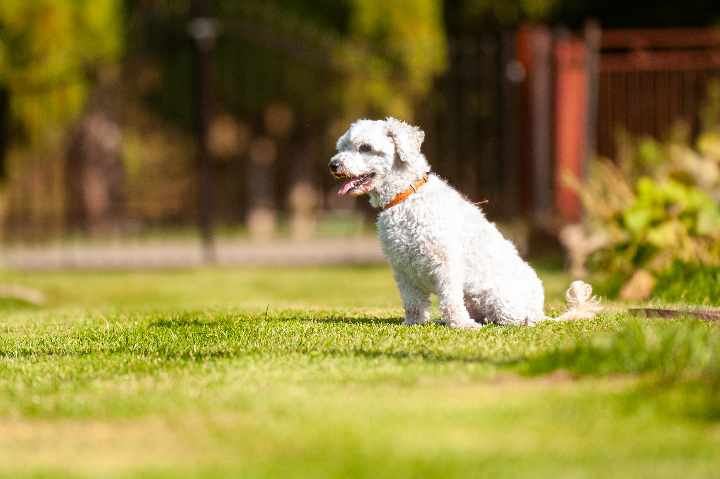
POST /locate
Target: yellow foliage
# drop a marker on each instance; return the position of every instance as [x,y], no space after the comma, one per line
[47,50]
[407,49]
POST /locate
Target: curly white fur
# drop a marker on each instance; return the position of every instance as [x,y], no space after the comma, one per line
[437,241]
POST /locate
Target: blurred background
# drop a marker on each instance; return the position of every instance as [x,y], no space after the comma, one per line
[158,132]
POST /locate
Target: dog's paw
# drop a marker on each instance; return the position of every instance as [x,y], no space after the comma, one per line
[466,325]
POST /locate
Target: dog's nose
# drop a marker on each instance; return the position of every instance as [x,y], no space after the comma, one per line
[334,165]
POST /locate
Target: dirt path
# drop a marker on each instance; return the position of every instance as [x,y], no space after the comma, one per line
[188,253]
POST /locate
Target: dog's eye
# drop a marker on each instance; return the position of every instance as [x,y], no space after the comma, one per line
[365,148]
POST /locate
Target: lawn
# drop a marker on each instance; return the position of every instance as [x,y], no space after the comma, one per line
[307,373]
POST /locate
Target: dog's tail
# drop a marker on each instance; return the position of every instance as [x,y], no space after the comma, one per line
[581,302]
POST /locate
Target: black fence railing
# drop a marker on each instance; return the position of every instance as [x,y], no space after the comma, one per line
[228,123]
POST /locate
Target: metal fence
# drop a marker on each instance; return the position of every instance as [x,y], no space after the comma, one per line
[185,136]
[651,79]
[226,148]
[585,89]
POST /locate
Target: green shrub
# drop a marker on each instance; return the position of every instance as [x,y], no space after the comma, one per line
[654,208]
[667,221]
[689,283]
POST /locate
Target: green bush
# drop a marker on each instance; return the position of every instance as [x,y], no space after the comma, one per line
[689,283]
[667,221]
[656,207]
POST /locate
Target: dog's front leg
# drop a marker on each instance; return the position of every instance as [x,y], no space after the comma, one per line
[415,302]
[449,280]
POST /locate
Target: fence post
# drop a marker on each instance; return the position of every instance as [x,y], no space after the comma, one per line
[4,130]
[541,111]
[203,30]
[512,73]
[534,52]
[593,36]
[261,204]
[571,122]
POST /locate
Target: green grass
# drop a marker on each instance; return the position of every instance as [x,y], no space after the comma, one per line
[681,283]
[307,373]
[689,283]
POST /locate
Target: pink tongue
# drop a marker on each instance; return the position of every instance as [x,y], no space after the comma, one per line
[347,187]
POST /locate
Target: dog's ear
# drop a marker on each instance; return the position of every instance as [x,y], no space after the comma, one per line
[342,140]
[407,138]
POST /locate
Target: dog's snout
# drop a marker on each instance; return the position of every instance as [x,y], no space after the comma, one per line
[334,165]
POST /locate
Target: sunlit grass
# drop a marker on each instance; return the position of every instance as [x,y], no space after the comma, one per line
[689,283]
[307,372]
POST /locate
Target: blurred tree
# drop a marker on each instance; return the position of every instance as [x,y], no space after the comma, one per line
[4,129]
[477,14]
[407,41]
[49,51]
[294,50]
[51,56]
[93,168]
[289,74]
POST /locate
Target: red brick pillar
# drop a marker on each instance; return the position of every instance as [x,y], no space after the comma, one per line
[571,119]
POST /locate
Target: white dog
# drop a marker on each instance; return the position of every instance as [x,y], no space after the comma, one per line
[436,240]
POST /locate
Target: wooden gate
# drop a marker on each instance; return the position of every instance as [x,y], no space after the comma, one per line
[650,79]
[583,89]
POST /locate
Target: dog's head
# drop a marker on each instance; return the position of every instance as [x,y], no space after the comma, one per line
[376,153]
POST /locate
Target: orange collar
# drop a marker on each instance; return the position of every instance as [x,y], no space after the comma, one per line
[403,195]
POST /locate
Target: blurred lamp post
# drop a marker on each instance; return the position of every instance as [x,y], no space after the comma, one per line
[204,31]
[4,130]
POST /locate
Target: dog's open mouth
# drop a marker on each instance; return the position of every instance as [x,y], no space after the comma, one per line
[358,185]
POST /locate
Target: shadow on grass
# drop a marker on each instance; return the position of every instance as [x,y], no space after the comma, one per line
[8,305]
[184,322]
[426,356]
[194,337]
[191,320]
[205,355]
[366,320]
[679,362]
[671,348]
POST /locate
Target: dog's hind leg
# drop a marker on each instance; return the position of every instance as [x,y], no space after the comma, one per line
[487,308]
[475,310]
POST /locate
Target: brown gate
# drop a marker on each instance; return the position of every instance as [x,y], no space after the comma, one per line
[650,79]
[583,90]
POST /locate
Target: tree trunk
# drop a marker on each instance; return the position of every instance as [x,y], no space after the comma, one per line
[94,174]
[261,213]
[4,130]
[303,196]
